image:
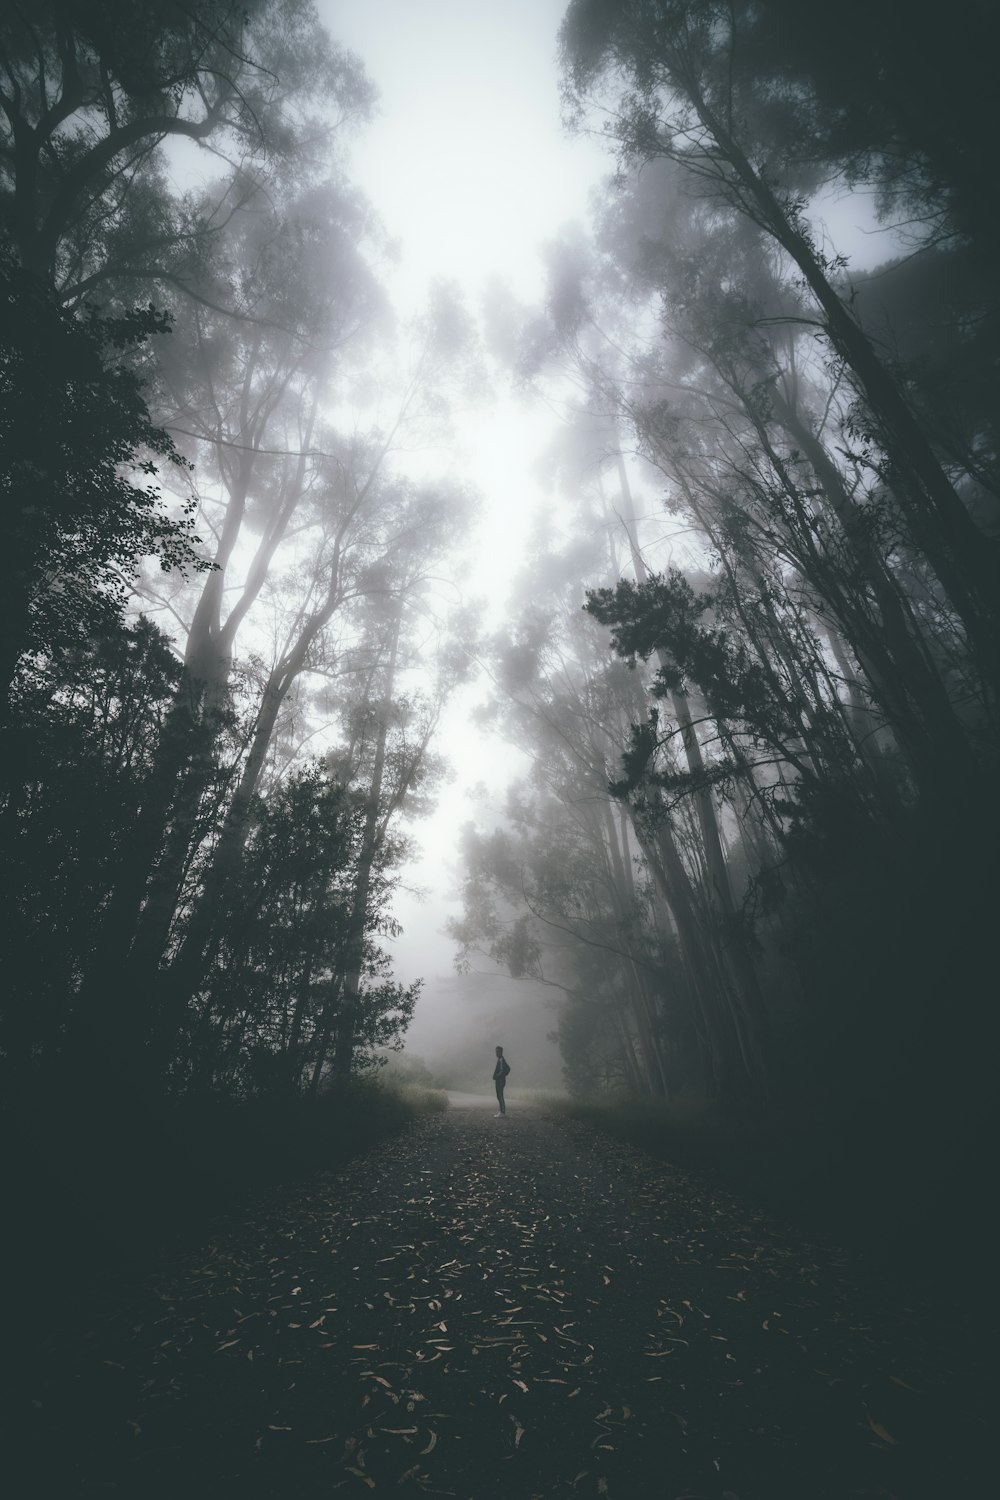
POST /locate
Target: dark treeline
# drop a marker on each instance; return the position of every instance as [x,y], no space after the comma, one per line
[209,558]
[756,851]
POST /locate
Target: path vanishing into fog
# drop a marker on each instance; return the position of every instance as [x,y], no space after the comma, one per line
[519,1307]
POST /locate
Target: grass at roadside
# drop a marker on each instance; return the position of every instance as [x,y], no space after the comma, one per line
[687,1131]
[241,1145]
[93,1180]
[917,1205]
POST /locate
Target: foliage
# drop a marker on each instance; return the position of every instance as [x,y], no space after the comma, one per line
[91,89]
[80,744]
[80,454]
[223,929]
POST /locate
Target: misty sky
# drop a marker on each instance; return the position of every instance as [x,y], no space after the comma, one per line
[467,161]
[469,167]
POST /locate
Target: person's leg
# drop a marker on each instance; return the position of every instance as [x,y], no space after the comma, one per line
[500,1087]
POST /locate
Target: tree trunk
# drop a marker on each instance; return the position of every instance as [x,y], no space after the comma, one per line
[754,1029]
[350,1001]
[642,1001]
[731,1056]
[963,557]
[208,665]
[908,671]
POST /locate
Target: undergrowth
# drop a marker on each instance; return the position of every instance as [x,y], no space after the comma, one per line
[914,1208]
[95,1179]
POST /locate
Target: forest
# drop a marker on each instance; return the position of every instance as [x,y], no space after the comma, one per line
[210,559]
[748,662]
[755,851]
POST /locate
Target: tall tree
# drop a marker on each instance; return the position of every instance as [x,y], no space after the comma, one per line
[683,91]
[80,457]
[90,93]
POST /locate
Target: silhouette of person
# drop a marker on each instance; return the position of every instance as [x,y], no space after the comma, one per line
[500,1078]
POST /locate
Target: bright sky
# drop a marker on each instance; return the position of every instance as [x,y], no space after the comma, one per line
[467,162]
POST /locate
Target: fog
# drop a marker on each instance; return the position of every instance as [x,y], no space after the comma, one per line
[499,744]
[470,166]
[532,570]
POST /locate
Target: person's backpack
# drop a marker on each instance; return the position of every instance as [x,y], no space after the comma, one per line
[506,1067]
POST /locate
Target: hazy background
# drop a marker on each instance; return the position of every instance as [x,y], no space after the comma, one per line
[469,166]
[473,173]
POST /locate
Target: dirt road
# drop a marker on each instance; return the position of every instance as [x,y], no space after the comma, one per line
[517,1307]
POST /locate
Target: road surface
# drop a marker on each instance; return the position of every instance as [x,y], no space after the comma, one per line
[514,1307]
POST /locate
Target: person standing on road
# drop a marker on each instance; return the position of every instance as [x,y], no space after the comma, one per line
[500,1078]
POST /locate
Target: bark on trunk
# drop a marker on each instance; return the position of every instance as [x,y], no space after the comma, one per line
[753,1027]
[963,557]
[350,1000]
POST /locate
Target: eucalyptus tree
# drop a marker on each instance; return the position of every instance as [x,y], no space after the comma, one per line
[247,387]
[78,750]
[262,272]
[379,537]
[281,937]
[682,81]
[568,706]
[355,525]
[388,754]
[260,1021]
[82,461]
[261,1016]
[594,347]
[240,388]
[94,93]
[681,326]
[907,114]
[549,898]
[802,553]
[751,437]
